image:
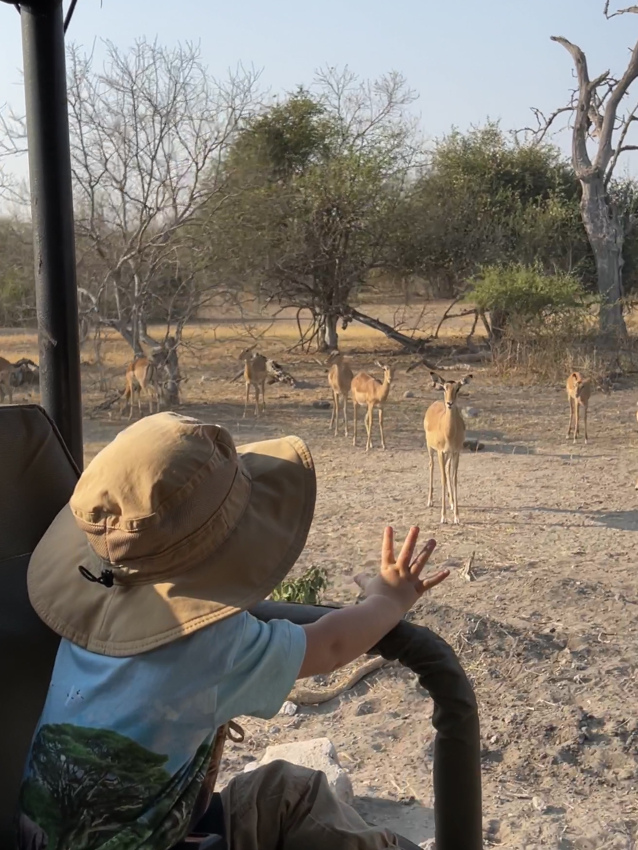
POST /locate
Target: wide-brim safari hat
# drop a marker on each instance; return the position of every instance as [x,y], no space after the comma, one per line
[171,528]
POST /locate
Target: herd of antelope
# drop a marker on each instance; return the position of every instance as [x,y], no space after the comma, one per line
[157,377]
[443,423]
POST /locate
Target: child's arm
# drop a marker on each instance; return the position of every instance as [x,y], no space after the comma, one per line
[345,634]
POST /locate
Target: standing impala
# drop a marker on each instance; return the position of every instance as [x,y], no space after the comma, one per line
[444,434]
[340,380]
[578,392]
[370,393]
[141,377]
[255,374]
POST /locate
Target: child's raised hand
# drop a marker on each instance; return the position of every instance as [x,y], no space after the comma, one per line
[400,579]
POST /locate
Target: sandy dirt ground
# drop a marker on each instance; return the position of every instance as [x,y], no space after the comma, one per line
[547,631]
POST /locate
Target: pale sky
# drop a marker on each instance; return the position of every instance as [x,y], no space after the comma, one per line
[468,59]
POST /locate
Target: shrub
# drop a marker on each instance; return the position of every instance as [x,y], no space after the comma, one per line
[526,293]
[306,589]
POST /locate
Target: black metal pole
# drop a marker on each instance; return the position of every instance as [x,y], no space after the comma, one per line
[52,211]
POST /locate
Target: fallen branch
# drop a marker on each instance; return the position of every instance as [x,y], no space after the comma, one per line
[462,362]
[446,315]
[467,571]
[278,374]
[312,696]
[414,344]
[107,403]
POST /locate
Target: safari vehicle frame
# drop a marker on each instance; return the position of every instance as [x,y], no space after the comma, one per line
[42,455]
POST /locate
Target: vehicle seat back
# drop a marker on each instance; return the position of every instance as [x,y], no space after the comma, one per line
[37,478]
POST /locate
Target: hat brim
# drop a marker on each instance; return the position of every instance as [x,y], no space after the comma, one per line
[130,619]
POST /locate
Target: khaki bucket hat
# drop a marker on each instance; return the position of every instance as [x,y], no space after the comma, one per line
[171,528]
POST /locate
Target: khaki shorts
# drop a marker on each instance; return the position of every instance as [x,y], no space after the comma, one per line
[281,806]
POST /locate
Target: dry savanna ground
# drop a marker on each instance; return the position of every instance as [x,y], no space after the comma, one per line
[547,631]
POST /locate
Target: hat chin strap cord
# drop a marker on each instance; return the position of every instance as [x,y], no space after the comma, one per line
[106,577]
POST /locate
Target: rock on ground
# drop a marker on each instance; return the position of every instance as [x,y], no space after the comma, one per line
[317,754]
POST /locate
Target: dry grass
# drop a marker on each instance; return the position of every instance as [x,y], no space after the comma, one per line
[217,340]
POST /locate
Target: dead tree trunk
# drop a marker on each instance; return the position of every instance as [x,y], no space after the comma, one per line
[606,235]
[328,334]
[595,109]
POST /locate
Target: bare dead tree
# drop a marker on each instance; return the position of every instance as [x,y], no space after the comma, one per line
[600,135]
[149,133]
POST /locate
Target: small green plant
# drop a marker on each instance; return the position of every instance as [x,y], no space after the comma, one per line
[306,589]
[526,292]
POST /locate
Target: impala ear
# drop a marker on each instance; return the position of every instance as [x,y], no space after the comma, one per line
[437,380]
[380,365]
[247,351]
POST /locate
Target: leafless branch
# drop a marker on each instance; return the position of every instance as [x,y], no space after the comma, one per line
[604,153]
[544,123]
[149,133]
[585,91]
[627,11]
[621,145]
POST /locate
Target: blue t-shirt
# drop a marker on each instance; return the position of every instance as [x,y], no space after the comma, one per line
[123,744]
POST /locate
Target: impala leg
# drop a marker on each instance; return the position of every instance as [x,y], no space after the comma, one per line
[247,399]
[381,427]
[256,399]
[431,487]
[263,396]
[454,463]
[368,422]
[585,421]
[576,418]
[443,467]
[345,412]
[450,482]
[571,416]
[335,413]
[354,421]
[131,404]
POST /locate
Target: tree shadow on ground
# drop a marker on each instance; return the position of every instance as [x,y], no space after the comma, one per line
[621,520]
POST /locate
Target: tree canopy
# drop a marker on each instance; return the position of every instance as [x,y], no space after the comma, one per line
[189,189]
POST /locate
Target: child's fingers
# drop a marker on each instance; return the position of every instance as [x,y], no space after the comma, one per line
[422,558]
[387,547]
[403,561]
[431,581]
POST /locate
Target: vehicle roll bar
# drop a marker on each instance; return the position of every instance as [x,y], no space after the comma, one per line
[457,744]
[52,211]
